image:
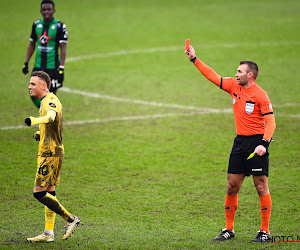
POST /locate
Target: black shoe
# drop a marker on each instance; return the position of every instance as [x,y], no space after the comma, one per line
[262,237]
[225,235]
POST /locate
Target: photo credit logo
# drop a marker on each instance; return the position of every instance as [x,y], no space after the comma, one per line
[283,239]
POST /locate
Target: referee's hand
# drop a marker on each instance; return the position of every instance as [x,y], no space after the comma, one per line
[260,150]
[190,53]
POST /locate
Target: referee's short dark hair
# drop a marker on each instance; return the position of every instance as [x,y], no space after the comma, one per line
[252,67]
[48,1]
[44,76]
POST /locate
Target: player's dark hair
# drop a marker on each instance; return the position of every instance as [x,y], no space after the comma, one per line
[48,1]
[44,76]
[252,67]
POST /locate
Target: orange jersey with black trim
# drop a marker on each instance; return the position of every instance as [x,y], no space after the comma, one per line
[252,108]
[249,106]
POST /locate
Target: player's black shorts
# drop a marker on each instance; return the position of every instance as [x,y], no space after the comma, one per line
[53,73]
[243,146]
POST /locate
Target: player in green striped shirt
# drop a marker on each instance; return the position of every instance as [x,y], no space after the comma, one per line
[50,35]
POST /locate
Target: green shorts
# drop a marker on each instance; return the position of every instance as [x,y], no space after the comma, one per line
[48,171]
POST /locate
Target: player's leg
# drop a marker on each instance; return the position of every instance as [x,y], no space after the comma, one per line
[50,215]
[261,185]
[41,194]
[49,173]
[56,82]
[48,234]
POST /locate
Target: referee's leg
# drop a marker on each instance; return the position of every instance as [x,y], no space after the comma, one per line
[231,202]
[234,184]
[261,185]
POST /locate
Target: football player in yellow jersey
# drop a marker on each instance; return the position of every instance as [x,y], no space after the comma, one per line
[50,156]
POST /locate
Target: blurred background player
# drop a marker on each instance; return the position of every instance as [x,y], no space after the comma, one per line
[255,125]
[50,156]
[50,34]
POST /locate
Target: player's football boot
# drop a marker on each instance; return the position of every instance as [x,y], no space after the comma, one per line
[225,235]
[70,227]
[261,237]
[41,238]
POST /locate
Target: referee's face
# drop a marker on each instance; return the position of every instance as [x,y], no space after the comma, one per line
[242,75]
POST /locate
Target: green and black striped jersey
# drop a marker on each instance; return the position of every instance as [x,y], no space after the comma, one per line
[48,37]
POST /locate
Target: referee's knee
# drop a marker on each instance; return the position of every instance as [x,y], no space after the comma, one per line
[232,188]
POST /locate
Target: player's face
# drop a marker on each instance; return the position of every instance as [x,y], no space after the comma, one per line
[36,87]
[242,75]
[47,11]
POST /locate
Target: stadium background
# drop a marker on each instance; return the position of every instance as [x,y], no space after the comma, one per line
[147,137]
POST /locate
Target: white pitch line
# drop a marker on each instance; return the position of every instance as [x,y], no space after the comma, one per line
[124,118]
[174,48]
[129,118]
[142,117]
[158,104]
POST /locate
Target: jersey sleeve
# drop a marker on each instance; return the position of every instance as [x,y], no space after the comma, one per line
[33,36]
[265,104]
[227,84]
[62,33]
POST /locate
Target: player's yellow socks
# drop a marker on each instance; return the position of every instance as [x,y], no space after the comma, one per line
[265,210]
[231,203]
[52,203]
[49,219]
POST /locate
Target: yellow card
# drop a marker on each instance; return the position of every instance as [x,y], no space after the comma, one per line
[251,155]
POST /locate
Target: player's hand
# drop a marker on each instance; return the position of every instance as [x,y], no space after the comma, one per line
[60,77]
[28,121]
[37,136]
[25,68]
[260,150]
[190,52]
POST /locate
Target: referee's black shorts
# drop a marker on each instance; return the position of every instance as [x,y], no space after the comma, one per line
[243,146]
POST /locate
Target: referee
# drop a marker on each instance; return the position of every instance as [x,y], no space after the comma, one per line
[255,125]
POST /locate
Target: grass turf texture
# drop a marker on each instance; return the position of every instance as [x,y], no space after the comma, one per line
[153,183]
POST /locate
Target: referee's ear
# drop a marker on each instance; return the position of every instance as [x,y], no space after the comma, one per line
[250,75]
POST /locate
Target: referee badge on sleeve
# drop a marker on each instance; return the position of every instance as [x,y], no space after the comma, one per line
[249,108]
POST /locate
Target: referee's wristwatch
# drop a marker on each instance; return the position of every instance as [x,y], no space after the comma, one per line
[193,59]
[265,143]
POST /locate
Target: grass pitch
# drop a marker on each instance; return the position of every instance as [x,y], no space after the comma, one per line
[145,166]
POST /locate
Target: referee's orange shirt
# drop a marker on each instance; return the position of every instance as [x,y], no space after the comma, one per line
[249,106]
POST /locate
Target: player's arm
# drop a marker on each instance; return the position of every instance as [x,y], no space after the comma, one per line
[48,118]
[30,50]
[208,72]
[63,54]
[63,39]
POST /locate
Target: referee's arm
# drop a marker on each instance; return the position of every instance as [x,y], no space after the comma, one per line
[269,131]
